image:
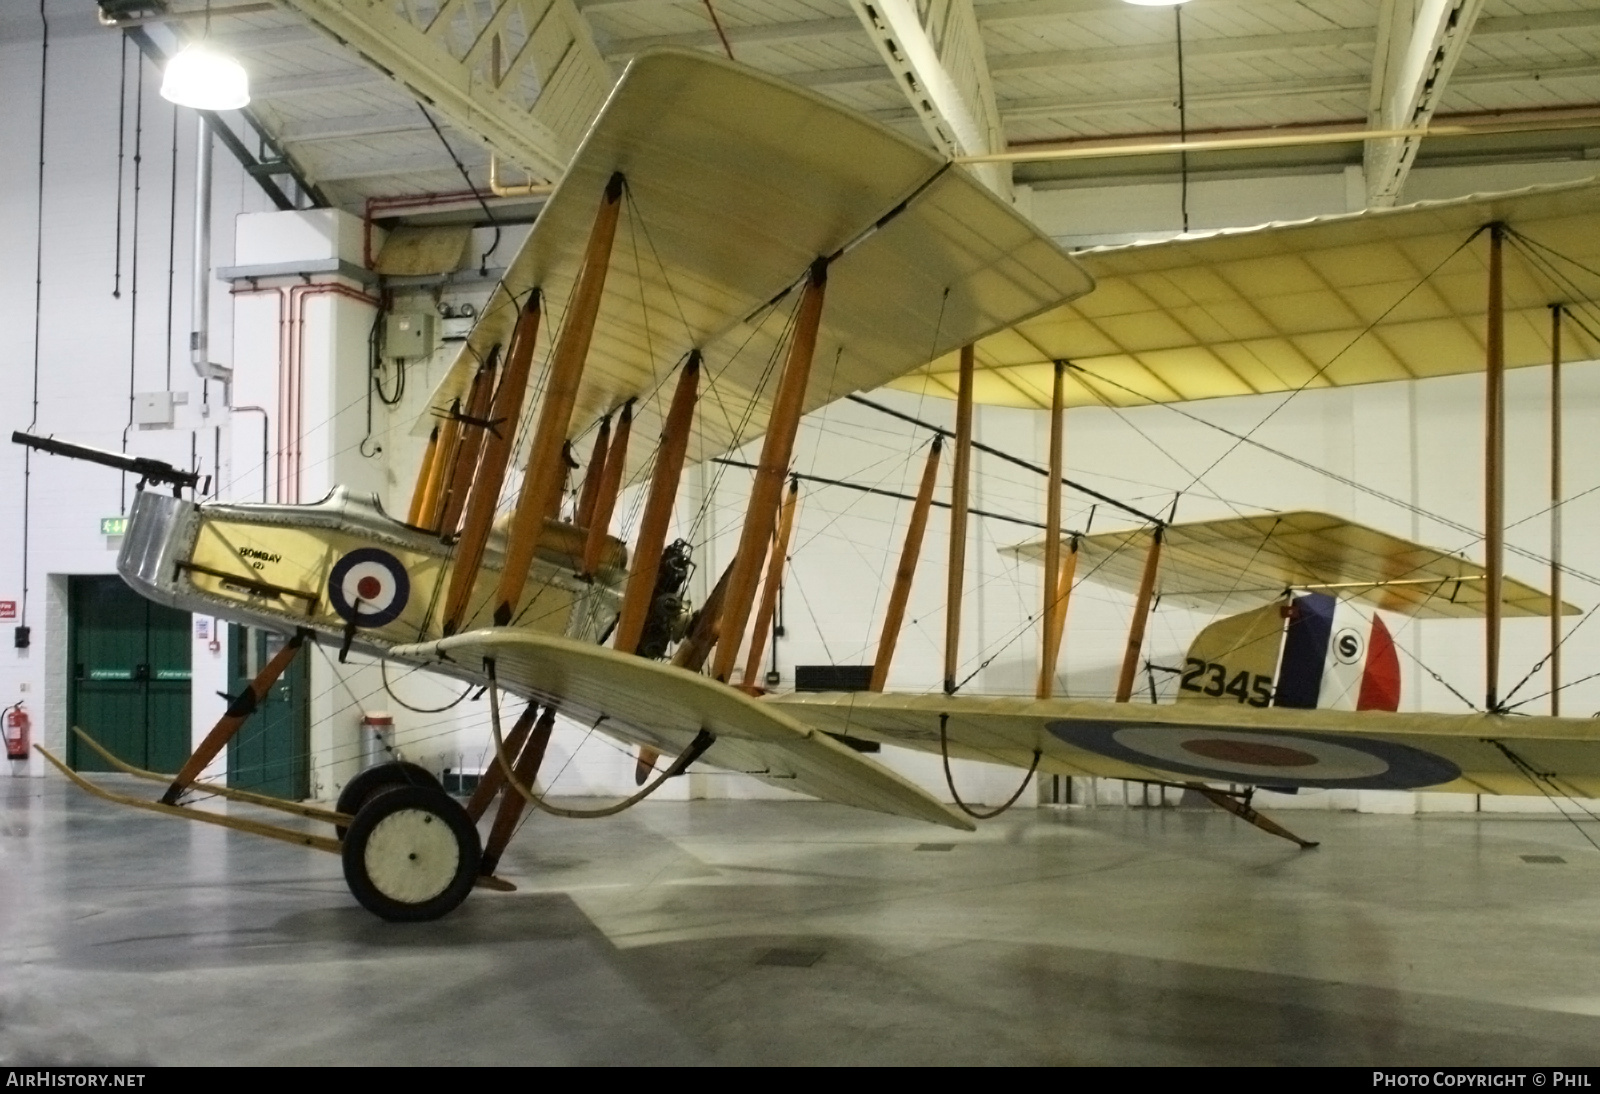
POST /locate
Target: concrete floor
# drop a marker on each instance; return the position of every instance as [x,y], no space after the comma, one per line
[781,933]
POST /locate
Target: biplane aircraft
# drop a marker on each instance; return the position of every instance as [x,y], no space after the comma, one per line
[801,253]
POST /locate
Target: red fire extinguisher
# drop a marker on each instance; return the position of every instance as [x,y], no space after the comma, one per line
[18,728]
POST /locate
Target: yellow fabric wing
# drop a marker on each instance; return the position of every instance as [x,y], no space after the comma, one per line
[1385,294]
[1238,561]
[736,183]
[1465,753]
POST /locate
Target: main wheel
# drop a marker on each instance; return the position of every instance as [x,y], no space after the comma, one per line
[411,854]
[359,790]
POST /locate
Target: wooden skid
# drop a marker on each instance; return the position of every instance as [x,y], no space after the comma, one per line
[271,831]
[266,801]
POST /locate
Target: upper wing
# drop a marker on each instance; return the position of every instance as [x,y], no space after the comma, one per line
[736,183]
[1272,746]
[1249,560]
[1287,305]
[663,707]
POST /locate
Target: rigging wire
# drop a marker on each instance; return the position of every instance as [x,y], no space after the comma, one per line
[483,259]
[38,323]
[133,272]
[949,779]
[1183,121]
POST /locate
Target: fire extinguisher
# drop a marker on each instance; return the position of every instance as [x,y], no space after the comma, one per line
[18,728]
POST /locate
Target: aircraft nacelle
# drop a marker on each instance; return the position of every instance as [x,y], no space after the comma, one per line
[345,570]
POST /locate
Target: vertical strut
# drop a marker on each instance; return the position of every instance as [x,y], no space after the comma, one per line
[1141,614]
[1494,471]
[494,778]
[776,447]
[907,570]
[605,499]
[1555,509]
[466,462]
[239,710]
[646,560]
[484,495]
[959,481]
[769,593]
[591,478]
[541,483]
[420,490]
[1052,542]
[525,769]
[439,470]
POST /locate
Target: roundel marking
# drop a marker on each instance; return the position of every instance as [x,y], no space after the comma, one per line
[1279,758]
[368,587]
[1347,646]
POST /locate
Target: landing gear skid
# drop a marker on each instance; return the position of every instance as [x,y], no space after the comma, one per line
[1239,805]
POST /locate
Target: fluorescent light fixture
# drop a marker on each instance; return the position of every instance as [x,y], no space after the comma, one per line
[1156,3]
[205,79]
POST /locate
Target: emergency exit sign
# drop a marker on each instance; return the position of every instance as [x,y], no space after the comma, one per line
[113,526]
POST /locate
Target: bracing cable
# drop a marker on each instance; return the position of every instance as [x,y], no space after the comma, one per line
[949,779]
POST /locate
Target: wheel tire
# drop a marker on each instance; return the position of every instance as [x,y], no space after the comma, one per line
[360,790]
[411,854]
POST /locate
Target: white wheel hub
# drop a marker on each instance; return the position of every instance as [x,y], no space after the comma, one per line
[411,856]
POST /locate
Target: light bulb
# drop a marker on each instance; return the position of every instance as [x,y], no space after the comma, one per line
[206,80]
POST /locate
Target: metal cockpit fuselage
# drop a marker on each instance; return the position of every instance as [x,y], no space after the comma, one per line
[347,572]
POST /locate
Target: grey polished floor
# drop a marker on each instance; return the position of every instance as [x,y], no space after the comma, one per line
[746,932]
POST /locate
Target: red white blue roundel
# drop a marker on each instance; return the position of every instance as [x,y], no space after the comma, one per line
[1312,760]
[368,587]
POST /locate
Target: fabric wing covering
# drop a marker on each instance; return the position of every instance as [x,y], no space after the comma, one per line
[1272,747]
[663,707]
[736,183]
[1386,294]
[1242,561]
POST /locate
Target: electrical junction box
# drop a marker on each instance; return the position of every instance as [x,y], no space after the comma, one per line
[154,409]
[408,335]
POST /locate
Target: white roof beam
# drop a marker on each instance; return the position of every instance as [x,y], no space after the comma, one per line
[938,60]
[356,125]
[765,34]
[447,64]
[1420,43]
[310,83]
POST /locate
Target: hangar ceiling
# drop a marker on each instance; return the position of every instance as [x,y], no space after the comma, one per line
[337,82]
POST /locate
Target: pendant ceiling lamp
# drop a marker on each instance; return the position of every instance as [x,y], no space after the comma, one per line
[201,77]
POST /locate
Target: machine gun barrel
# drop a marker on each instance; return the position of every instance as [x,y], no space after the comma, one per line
[147,469]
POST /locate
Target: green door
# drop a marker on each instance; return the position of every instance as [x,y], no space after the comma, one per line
[130,676]
[269,753]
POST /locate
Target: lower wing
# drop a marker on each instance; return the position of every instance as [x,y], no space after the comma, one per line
[1270,746]
[661,707]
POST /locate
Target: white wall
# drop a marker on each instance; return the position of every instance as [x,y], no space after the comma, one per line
[88,340]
